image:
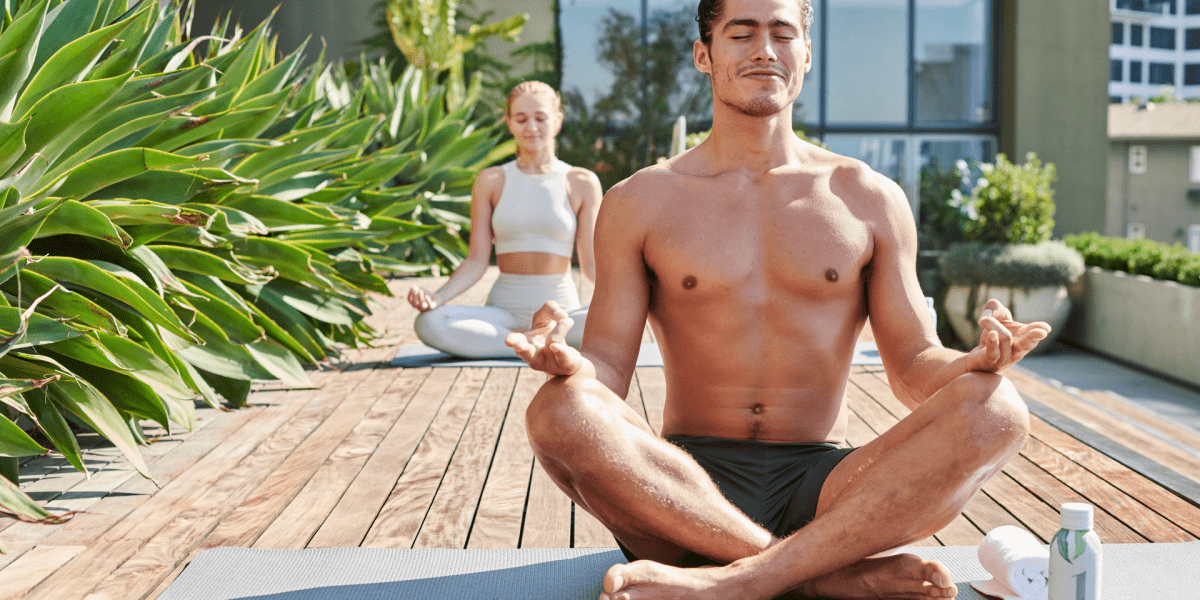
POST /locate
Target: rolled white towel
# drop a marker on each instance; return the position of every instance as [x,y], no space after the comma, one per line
[1017,561]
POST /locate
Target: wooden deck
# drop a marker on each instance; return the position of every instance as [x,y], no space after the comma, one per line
[438,458]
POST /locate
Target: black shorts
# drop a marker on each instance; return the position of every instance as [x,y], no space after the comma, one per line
[776,484]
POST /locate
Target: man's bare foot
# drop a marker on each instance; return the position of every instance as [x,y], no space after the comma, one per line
[647,579]
[902,576]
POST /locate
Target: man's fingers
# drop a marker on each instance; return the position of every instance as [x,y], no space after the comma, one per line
[559,333]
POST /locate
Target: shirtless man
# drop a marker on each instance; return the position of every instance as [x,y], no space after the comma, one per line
[757,258]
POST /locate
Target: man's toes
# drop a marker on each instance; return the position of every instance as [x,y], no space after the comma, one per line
[615,579]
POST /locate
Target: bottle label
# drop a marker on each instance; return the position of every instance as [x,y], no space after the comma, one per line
[1070,544]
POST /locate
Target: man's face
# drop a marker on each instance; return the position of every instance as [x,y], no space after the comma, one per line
[758,57]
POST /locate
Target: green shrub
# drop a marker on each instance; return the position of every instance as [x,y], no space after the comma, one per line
[179,219]
[1014,204]
[1024,266]
[1140,257]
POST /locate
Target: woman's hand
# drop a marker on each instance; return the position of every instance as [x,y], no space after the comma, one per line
[422,299]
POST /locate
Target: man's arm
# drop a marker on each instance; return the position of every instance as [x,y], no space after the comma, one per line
[617,314]
[915,360]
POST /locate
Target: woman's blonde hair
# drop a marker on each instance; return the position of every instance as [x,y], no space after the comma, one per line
[533,87]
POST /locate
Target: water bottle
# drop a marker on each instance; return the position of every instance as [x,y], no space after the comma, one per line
[1075,556]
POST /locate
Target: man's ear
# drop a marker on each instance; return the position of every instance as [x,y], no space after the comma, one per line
[808,58]
[701,57]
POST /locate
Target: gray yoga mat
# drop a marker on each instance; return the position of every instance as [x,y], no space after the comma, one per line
[1131,572]
[420,355]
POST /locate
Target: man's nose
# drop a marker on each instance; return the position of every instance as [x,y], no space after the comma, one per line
[765,51]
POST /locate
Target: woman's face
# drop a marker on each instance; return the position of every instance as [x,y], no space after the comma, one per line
[533,121]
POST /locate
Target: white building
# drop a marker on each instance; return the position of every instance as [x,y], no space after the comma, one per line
[1155,44]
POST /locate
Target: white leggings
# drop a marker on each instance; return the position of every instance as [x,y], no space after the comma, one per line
[479,331]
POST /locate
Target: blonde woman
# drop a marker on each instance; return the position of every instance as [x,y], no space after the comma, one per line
[535,209]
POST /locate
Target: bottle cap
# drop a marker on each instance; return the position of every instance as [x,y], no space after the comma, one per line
[1076,515]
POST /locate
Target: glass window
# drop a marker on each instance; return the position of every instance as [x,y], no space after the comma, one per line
[1135,35]
[953,62]
[1193,7]
[1162,73]
[1162,37]
[1135,71]
[1118,33]
[1115,69]
[868,66]
[1191,74]
[1191,39]
[1115,100]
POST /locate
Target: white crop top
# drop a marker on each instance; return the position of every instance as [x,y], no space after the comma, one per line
[533,213]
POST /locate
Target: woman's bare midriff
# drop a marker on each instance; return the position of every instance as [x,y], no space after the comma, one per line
[532,263]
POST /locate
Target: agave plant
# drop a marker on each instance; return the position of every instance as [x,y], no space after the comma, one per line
[180,217]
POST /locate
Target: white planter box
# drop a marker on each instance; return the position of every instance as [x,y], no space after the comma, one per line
[1148,322]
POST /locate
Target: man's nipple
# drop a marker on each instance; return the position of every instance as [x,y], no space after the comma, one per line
[831,276]
[689,282]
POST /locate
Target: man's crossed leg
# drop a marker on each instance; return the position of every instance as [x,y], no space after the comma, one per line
[899,488]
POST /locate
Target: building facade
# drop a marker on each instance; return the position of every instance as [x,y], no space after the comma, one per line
[1155,44]
[1154,172]
[901,84]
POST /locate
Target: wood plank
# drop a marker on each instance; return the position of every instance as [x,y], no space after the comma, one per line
[548,514]
[262,477]
[1054,493]
[453,508]
[1094,490]
[34,566]
[351,518]
[589,532]
[1038,517]
[247,521]
[1114,427]
[1133,412]
[1158,499]
[84,528]
[402,514]
[501,508]
[959,532]
[261,444]
[986,514]
[297,523]
[858,433]
[653,385]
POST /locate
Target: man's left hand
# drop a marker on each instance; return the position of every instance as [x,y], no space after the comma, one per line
[1003,341]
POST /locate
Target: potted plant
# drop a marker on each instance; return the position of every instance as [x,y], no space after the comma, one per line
[1007,253]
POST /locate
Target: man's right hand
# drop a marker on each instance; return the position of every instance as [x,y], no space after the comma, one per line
[422,299]
[543,346]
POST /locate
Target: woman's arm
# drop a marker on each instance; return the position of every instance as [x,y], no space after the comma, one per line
[583,190]
[488,186]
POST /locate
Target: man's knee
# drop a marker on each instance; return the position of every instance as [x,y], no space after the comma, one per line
[993,409]
[566,412]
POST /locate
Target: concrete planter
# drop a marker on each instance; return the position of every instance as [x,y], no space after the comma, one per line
[1051,304]
[1149,322]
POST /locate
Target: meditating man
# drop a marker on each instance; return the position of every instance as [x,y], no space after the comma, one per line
[758,258]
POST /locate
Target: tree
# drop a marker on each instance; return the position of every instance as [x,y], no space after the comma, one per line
[654,83]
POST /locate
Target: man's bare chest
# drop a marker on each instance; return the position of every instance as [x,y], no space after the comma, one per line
[755,248]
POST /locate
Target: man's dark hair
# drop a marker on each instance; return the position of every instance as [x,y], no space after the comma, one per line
[709,12]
